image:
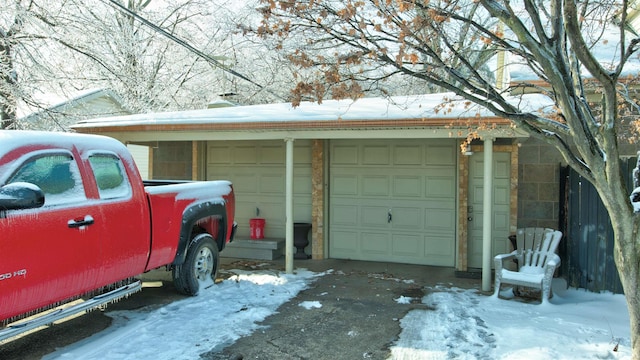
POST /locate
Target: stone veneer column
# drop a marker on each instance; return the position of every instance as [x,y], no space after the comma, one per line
[317,199]
[463,203]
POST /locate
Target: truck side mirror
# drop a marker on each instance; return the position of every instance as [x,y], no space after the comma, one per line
[20,195]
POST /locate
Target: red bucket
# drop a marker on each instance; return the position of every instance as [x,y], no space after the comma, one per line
[256,226]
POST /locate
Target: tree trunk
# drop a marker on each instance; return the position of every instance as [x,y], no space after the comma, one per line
[7,117]
[8,79]
[626,229]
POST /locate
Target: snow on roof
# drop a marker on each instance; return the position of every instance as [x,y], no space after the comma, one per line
[426,107]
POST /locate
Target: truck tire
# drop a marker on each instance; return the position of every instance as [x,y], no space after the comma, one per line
[200,267]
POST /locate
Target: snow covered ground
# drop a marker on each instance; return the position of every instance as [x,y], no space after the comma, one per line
[454,323]
[464,325]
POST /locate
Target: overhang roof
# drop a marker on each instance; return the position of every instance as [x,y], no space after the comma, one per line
[419,116]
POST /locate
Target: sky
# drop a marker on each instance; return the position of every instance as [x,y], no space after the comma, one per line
[456,323]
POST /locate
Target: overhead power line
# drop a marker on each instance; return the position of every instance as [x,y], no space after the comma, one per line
[183,43]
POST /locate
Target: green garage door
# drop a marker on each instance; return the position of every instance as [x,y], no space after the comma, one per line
[257,171]
[393,200]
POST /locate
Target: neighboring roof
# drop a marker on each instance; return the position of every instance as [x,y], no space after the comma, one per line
[96,102]
[445,112]
[604,45]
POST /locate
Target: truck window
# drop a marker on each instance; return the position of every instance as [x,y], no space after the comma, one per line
[110,176]
[56,174]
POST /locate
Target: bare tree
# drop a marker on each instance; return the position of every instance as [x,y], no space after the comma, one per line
[58,49]
[21,46]
[150,72]
[568,50]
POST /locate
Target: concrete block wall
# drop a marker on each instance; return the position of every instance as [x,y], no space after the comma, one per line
[538,185]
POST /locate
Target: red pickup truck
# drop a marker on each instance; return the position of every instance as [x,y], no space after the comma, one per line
[78,222]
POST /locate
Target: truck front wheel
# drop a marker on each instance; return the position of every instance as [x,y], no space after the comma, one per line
[200,267]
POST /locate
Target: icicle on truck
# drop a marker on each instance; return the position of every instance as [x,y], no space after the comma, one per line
[78,222]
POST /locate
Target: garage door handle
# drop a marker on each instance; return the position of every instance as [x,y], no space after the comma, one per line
[389,216]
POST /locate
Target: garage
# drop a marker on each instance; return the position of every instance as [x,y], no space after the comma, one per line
[393,200]
[378,179]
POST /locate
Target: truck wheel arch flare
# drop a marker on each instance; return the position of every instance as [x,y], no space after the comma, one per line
[207,215]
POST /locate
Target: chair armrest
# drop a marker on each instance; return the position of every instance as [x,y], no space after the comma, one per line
[503,257]
[500,258]
[552,262]
[550,268]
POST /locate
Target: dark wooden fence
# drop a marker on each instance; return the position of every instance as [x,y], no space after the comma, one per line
[587,248]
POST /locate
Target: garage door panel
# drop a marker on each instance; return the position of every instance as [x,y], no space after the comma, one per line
[271,208]
[346,215]
[375,155]
[438,246]
[272,155]
[407,218]
[344,155]
[244,182]
[245,155]
[407,155]
[440,186]
[344,243]
[302,207]
[375,185]
[272,184]
[440,155]
[407,245]
[344,185]
[302,185]
[374,216]
[439,204]
[219,155]
[302,155]
[439,219]
[374,243]
[407,186]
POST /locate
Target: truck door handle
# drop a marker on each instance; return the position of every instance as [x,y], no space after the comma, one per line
[389,217]
[78,223]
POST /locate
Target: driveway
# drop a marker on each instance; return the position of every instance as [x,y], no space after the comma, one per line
[351,312]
